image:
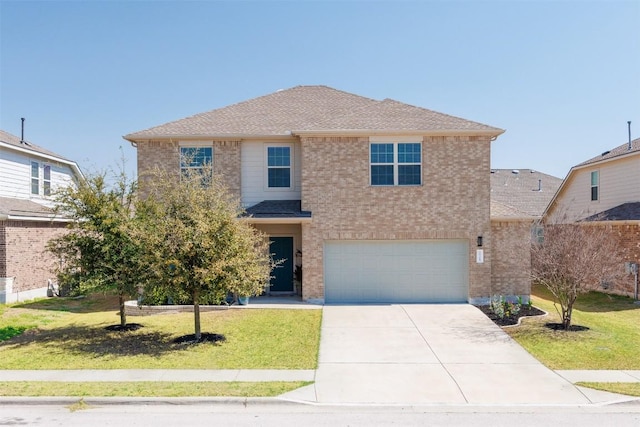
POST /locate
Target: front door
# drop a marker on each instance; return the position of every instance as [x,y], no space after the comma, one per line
[282,250]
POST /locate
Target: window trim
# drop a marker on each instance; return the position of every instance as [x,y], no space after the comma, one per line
[194,145]
[396,163]
[46,182]
[34,179]
[290,167]
[595,186]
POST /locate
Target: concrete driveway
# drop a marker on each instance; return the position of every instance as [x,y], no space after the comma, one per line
[427,354]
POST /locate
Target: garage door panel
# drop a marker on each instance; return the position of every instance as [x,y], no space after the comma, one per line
[396,271]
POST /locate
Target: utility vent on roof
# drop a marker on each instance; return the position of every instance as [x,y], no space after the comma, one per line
[515,171]
[605,153]
[493,171]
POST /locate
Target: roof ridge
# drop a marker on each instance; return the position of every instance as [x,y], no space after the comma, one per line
[618,151]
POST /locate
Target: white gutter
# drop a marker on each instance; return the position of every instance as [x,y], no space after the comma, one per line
[5,217]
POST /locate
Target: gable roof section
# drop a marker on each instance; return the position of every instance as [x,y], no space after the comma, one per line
[620,151]
[12,142]
[525,191]
[609,155]
[309,109]
[624,212]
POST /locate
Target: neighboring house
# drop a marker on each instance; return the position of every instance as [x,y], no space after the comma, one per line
[374,201]
[518,200]
[605,191]
[28,177]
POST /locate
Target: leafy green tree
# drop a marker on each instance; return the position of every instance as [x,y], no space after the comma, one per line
[98,252]
[195,242]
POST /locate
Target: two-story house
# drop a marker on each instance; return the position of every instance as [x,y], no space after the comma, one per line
[373,201]
[604,191]
[29,176]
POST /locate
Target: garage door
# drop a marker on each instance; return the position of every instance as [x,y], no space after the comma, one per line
[396,271]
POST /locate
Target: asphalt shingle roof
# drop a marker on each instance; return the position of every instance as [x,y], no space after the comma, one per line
[278,209]
[24,208]
[309,108]
[15,141]
[624,212]
[527,192]
[616,152]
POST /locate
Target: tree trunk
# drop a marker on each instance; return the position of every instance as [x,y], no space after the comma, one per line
[123,315]
[196,315]
[566,316]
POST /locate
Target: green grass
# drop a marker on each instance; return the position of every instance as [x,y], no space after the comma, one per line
[149,389]
[70,334]
[630,389]
[610,343]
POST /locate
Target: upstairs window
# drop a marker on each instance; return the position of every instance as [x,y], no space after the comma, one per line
[46,180]
[279,167]
[396,163]
[35,178]
[196,160]
[595,184]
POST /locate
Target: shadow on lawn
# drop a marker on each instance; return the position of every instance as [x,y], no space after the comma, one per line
[595,302]
[96,341]
[88,304]
[599,302]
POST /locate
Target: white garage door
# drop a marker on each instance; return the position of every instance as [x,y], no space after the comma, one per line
[381,271]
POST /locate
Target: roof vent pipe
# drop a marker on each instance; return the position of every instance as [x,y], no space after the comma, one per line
[539,185]
[629,126]
[22,133]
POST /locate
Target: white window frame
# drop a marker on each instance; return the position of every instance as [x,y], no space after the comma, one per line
[396,164]
[46,182]
[34,179]
[197,145]
[596,185]
[290,167]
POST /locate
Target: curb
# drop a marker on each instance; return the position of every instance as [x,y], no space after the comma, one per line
[105,401]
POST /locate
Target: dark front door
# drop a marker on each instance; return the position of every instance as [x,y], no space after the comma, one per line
[282,250]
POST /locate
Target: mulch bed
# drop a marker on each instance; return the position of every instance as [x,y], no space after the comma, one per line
[126,328]
[525,311]
[204,337]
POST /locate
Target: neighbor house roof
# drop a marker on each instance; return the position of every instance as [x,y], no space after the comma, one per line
[16,142]
[525,192]
[624,212]
[312,109]
[21,209]
[13,142]
[622,150]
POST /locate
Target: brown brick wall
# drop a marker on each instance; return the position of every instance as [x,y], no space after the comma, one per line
[165,155]
[452,203]
[511,258]
[628,237]
[26,257]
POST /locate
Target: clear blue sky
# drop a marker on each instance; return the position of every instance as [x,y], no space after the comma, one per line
[562,78]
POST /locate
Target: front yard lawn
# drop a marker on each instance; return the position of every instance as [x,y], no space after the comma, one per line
[148,389]
[611,342]
[67,333]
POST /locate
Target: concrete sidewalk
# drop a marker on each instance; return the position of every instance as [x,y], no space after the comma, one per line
[247,375]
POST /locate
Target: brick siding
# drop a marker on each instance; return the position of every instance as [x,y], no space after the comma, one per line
[23,253]
[165,155]
[511,258]
[452,202]
[628,237]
